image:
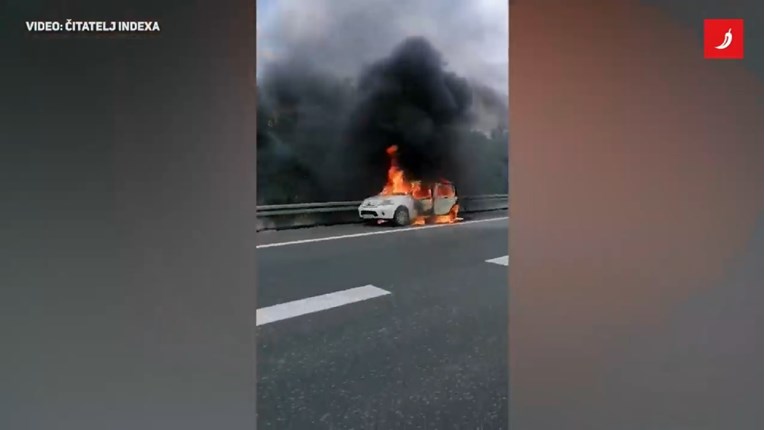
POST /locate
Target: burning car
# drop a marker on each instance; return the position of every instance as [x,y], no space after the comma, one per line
[406,202]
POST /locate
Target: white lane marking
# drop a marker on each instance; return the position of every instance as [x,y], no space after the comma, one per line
[314,304]
[372,233]
[499,260]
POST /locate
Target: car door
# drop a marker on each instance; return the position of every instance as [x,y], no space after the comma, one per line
[444,199]
[423,199]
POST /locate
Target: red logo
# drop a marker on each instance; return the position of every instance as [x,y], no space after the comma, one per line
[724,39]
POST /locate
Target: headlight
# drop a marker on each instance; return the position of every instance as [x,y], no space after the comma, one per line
[386,202]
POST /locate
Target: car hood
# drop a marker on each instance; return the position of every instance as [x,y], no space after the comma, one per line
[382,200]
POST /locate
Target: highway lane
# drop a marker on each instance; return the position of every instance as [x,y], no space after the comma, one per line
[430,354]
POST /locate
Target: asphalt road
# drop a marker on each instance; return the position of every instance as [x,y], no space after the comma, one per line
[430,353]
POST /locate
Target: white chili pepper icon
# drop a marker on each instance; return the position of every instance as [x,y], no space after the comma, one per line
[728,39]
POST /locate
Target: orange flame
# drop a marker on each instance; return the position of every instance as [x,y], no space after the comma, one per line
[449,218]
[398,183]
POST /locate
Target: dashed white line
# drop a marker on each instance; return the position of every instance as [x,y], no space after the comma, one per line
[499,260]
[314,304]
[372,233]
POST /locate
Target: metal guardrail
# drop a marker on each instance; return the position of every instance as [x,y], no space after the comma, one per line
[325,213]
[308,208]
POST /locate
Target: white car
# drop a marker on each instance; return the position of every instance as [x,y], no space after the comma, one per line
[403,208]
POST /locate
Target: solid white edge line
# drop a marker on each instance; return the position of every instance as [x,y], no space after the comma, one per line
[315,304]
[502,261]
[372,233]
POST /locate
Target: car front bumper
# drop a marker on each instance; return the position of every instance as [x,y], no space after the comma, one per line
[377,212]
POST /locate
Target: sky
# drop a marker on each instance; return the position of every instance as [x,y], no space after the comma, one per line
[342,36]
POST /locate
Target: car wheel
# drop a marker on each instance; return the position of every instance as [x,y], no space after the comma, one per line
[401,216]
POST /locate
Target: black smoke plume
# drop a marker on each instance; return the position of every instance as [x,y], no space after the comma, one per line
[322,137]
[411,101]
